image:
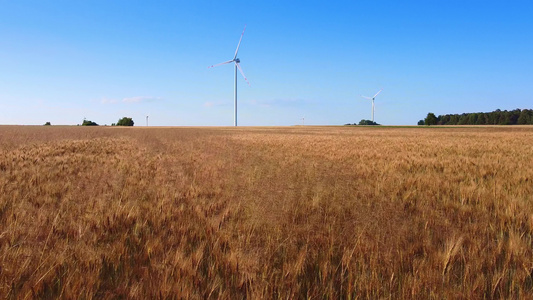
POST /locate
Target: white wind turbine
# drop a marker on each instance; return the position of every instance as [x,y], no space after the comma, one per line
[372,102]
[237,66]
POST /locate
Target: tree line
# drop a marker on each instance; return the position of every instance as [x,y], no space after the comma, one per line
[364,122]
[497,117]
[121,122]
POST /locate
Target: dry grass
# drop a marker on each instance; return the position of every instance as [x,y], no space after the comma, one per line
[301,212]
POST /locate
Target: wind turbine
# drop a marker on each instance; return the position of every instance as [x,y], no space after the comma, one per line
[237,66]
[372,102]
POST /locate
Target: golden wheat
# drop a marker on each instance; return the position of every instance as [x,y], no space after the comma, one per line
[299,212]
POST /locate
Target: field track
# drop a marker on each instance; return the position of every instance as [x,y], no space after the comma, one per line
[266,212]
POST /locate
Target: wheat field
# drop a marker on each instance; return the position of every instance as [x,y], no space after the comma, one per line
[289,212]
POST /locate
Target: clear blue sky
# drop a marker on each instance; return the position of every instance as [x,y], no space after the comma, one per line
[61,61]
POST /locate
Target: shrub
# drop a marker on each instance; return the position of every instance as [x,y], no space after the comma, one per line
[88,123]
[125,122]
[367,122]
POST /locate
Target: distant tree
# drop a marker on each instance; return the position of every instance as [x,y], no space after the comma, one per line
[88,123]
[47,124]
[525,117]
[421,122]
[125,122]
[505,118]
[513,116]
[496,117]
[431,119]
[490,118]
[463,119]
[367,122]
[454,119]
[444,120]
[483,119]
[472,119]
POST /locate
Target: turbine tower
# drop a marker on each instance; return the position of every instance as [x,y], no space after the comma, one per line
[372,102]
[237,66]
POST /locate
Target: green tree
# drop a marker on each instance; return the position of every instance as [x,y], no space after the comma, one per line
[125,122]
[421,122]
[514,115]
[491,118]
[431,119]
[454,119]
[505,118]
[524,118]
[472,119]
[463,119]
[367,122]
[478,119]
[88,123]
[445,120]
[47,124]
[483,119]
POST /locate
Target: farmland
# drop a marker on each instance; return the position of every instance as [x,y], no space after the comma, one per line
[293,212]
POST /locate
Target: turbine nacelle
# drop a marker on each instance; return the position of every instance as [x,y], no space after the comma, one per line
[237,60]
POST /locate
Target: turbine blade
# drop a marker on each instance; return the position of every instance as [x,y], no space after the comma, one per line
[366,97]
[238,45]
[226,62]
[242,73]
[377,93]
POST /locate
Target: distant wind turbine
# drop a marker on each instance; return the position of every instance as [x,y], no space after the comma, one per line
[372,102]
[237,66]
